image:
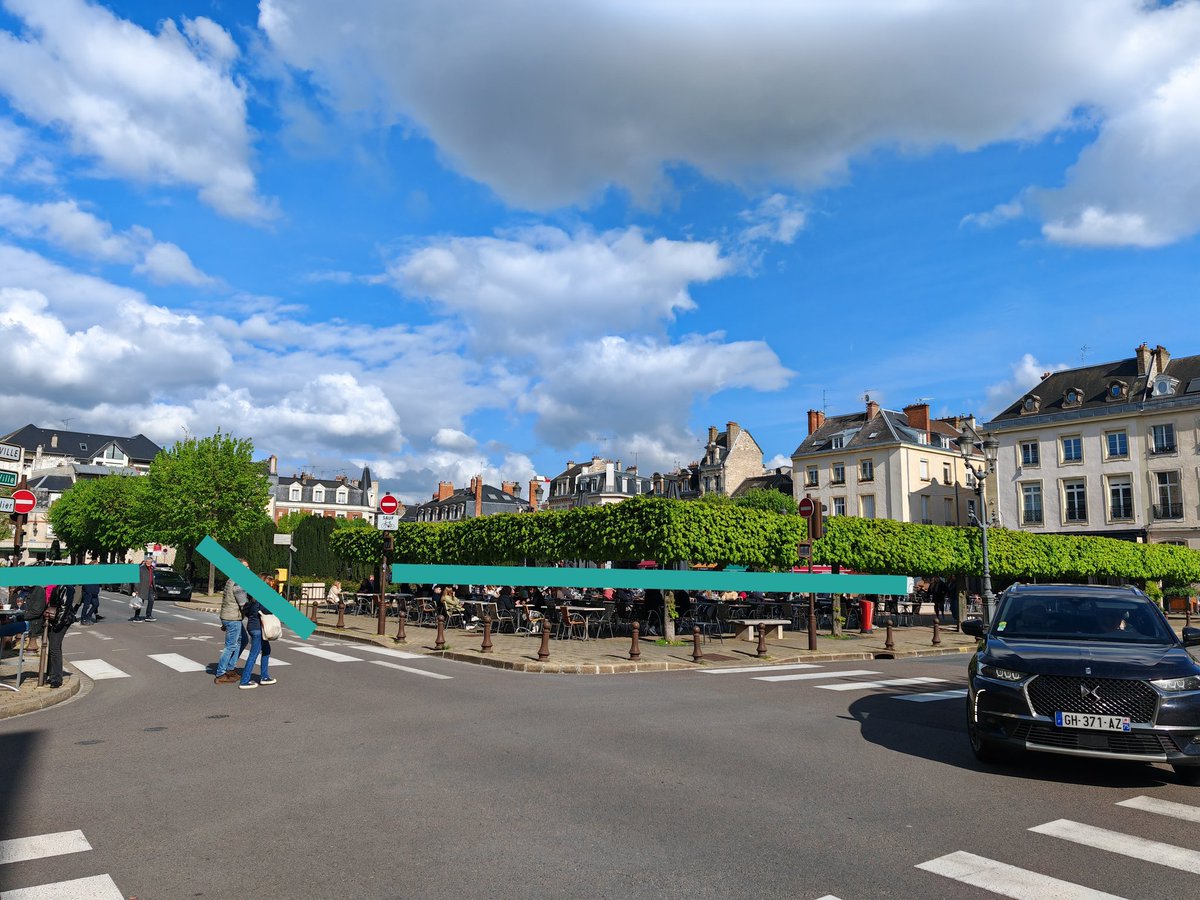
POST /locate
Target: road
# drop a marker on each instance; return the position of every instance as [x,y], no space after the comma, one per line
[364,774]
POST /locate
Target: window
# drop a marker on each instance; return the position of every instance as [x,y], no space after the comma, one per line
[1072,448]
[866,471]
[319,494]
[839,506]
[1075,501]
[343,495]
[925,520]
[83,447]
[924,466]
[1030,454]
[947,473]
[948,510]
[1170,499]
[838,473]
[1031,504]
[1162,438]
[1120,497]
[866,505]
[113,452]
[836,442]
[1117,443]
[294,493]
[810,476]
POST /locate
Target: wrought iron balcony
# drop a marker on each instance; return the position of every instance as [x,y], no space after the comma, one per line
[1168,511]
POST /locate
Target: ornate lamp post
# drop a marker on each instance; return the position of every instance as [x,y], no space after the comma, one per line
[991,450]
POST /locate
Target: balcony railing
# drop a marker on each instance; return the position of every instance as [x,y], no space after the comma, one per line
[841,480]
[1159,449]
[927,521]
[1031,517]
[1122,512]
[862,477]
[1168,511]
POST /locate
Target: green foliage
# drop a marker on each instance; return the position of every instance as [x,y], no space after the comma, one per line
[313,554]
[101,515]
[768,500]
[716,498]
[351,523]
[287,524]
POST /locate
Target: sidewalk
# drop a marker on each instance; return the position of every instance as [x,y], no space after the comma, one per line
[31,698]
[610,656]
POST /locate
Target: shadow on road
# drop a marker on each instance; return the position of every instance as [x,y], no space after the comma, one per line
[18,751]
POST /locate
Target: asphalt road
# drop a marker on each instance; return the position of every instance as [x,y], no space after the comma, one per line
[356,778]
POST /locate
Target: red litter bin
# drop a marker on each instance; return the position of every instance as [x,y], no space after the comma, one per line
[866,614]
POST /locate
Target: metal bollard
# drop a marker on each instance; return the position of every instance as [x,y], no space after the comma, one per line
[937,633]
[401,619]
[889,644]
[544,650]
[635,650]
[341,622]
[697,653]
[440,643]
[487,635]
[762,641]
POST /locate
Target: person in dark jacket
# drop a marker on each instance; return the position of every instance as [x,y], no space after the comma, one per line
[253,611]
[65,602]
[145,590]
[89,611]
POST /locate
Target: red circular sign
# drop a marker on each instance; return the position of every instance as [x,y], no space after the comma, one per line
[23,502]
[806,507]
[388,504]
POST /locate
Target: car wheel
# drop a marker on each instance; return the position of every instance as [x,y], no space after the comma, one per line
[1188,774]
[985,751]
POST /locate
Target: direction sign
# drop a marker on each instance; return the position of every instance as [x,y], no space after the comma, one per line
[388,504]
[8,479]
[387,523]
[23,502]
[11,453]
[6,504]
[806,507]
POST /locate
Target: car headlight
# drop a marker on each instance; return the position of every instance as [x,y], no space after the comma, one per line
[1002,674]
[1189,683]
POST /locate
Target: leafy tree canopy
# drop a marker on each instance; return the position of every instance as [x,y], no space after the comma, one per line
[767,499]
[102,515]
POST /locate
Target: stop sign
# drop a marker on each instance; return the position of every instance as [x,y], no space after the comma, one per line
[806,507]
[388,504]
[23,502]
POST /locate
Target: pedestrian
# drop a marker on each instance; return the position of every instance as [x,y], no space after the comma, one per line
[145,592]
[233,599]
[937,594]
[90,609]
[35,615]
[259,648]
[62,607]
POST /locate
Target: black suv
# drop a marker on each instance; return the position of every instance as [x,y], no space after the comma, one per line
[1084,670]
[170,585]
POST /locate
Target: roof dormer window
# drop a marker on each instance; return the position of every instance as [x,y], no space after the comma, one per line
[1117,390]
[1072,398]
[294,493]
[1164,386]
[1031,405]
[319,494]
[343,495]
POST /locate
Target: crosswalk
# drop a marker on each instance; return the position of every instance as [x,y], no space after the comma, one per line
[842,680]
[1007,880]
[44,846]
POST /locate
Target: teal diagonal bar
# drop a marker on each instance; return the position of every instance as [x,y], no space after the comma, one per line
[113,573]
[255,587]
[777,582]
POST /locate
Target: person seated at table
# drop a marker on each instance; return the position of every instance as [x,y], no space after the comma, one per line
[728,597]
[334,596]
[451,604]
[683,603]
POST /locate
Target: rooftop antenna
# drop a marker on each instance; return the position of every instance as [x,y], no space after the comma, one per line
[67,422]
[1083,352]
[824,401]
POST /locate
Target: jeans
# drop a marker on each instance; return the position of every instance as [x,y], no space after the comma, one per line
[54,662]
[257,644]
[149,611]
[19,626]
[233,646]
[90,608]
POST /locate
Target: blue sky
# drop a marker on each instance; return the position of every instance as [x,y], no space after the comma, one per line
[445,238]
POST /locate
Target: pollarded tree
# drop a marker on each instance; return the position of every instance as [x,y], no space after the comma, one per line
[101,515]
[206,487]
[767,499]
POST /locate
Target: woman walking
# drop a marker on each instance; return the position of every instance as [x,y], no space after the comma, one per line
[253,612]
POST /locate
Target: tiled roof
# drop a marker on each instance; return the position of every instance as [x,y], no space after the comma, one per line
[81,444]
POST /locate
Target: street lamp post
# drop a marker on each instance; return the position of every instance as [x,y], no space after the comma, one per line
[991,450]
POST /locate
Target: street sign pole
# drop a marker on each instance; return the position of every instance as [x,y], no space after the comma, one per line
[19,520]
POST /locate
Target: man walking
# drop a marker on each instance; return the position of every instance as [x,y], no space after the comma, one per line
[233,598]
[145,590]
[91,600]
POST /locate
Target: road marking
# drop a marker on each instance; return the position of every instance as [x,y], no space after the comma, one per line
[934,695]
[185,618]
[1125,844]
[95,634]
[392,665]
[42,845]
[867,685]
[98,669]
[396,654]
[177,662]
[1008,881]
[809,676]
[326,654]
[97,887]
[274,660]
[742,670]
[1164,808]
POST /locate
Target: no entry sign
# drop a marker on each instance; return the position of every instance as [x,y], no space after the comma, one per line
[23,502]
[806,507]
[388,504]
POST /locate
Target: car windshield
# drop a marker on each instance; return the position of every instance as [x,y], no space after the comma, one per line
[166,576]
[1048,616]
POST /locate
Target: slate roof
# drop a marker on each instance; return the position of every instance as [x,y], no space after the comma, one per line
[52,484]
[888,427]
[138,448]
[779,480]
[355,496]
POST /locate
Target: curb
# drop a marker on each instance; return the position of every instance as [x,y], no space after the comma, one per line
[42,698]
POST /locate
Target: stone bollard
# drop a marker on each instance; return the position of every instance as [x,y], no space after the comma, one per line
[937,633]
[889,644]
[635,649]
[440,643]
[697,653]
[544,650]
[487,635]
[401,619]
[341,622]
[762,642]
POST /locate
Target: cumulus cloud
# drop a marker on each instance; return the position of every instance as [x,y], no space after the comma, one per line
[156,108]
[1026,372]
[778,219]
[766,93]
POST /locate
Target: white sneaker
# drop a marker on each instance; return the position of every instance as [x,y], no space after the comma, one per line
[248,687]
[266,681]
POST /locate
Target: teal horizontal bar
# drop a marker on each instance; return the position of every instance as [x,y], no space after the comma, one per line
[776,582]
[110,573]
[255,587]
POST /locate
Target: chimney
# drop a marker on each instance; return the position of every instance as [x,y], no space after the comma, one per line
[570,462]
[273,464]
[872,408]
[816,419]
[918,416]
[477,483]
[712,434]
[54,442]
[1143,354]
[1161,358]
[534,486]
[445,489]
[1046,375]
[732,429]
[509,487]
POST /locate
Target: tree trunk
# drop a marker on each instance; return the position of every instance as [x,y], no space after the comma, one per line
[668,622]
[212,579]
[837,615]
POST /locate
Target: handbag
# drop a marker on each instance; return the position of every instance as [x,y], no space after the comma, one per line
[272,628]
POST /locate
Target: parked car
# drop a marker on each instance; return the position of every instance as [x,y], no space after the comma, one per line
[170,585]
[1084,670]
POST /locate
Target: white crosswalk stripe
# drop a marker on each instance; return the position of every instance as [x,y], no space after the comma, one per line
[97,887]
[98,669]
[43,846]
[326,654]
[1169,855]
[177,662]
[867,685]
[931,696]
[1164,808]
[745,670]
[392,665]
[1008,881]
[811,676]
[388,651]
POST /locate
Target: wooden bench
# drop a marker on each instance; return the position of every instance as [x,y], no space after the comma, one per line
[746,632]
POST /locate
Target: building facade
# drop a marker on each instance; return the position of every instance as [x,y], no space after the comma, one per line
[335,498]
[730,457]
[479,499]
[596,483]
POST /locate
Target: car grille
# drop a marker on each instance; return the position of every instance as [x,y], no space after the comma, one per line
[1117,697]
[1104,742]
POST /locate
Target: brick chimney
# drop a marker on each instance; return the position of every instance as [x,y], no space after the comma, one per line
[477,484]
[445,489]
[1161,358]
[816,419]
[872,408]
[712,434]
[509,487]
[918,416]
[534,485]
[732,430]
[273,464]
[1143,354]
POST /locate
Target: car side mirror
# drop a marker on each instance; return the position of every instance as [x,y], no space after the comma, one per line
[1191,637]
[975,628]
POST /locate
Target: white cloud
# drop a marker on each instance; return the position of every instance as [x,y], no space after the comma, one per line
[1026,372]
[779,461]
[166,263]
[777,218]
[156,108]
[550,104]
[998,215]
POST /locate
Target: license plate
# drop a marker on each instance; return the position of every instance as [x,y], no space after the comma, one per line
[1096,723]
